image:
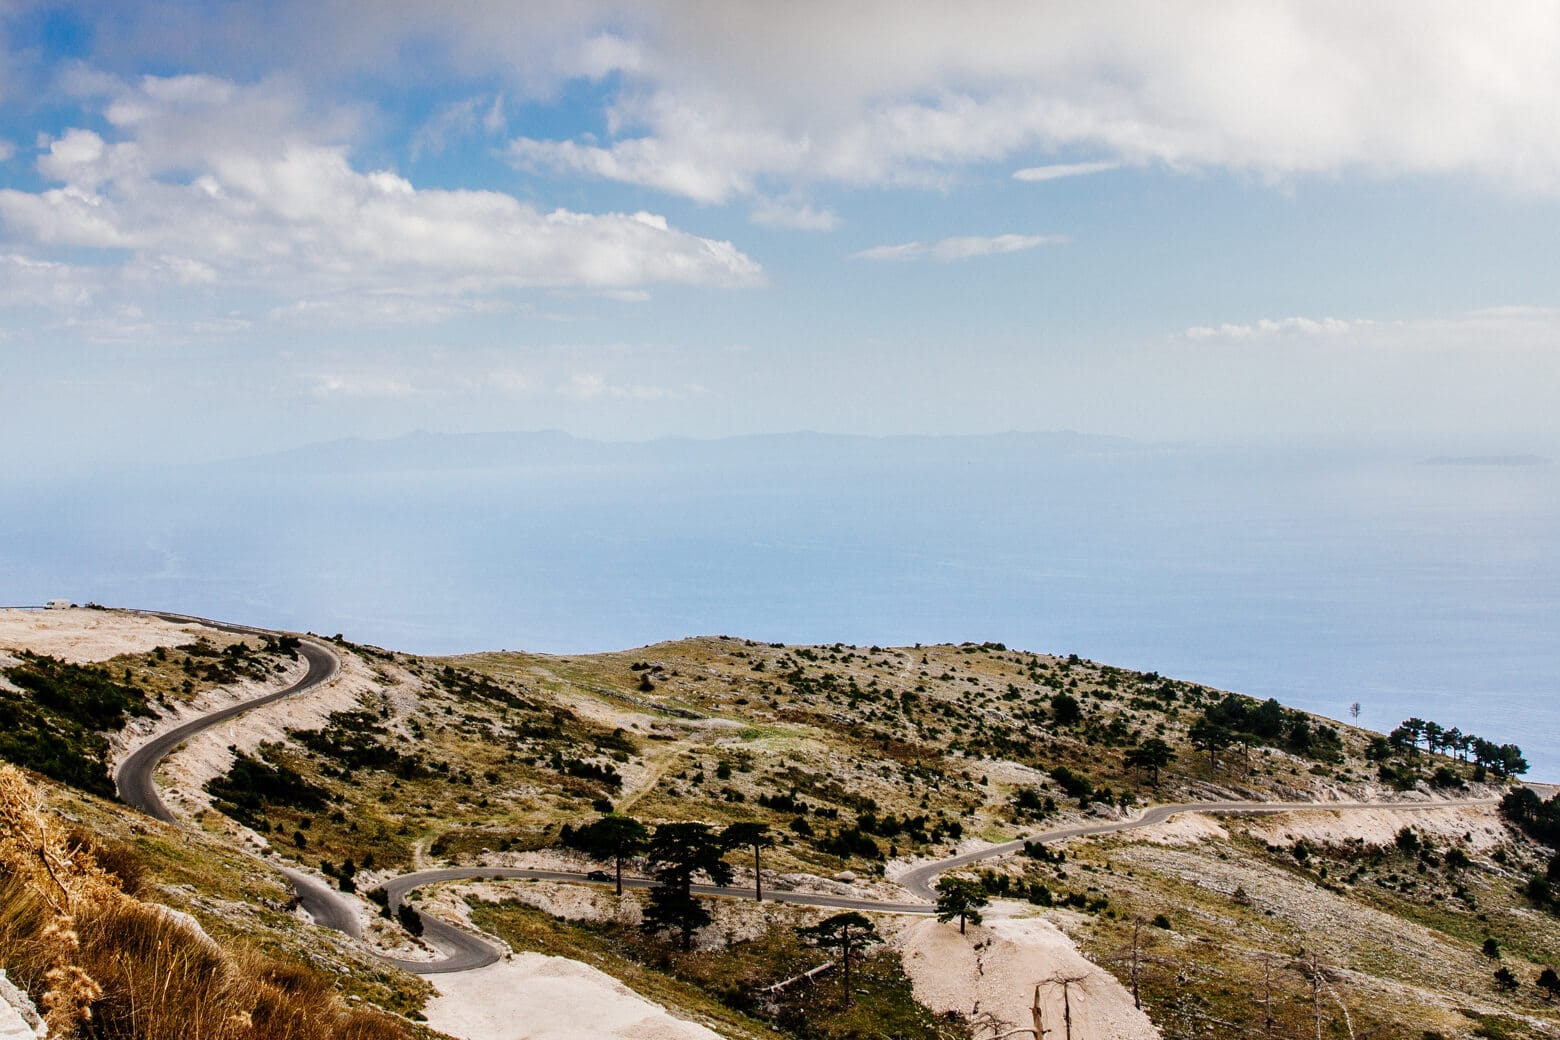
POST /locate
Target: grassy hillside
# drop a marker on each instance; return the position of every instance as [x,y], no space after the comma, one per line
[85,890]
[859,757]
[861,760]
[55,715]
[855,757]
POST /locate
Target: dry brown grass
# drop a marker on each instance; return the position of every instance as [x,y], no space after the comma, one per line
[107,966]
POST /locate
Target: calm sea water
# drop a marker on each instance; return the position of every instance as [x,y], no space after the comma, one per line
[1320,578]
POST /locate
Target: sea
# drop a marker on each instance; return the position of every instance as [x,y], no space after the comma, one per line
[1410,582]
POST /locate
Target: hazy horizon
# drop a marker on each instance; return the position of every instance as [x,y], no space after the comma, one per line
[1300,257]
[1412,584]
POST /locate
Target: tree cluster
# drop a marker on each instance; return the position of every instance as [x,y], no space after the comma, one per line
[1537,818]
[53,719]
[1241,720]
[677,855]
[1152,755]
[1502,759]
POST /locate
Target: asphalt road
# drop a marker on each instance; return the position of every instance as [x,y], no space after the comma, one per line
[464,950]
[135,776]
[136,783]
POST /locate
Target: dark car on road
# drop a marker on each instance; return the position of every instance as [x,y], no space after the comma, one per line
[598,875]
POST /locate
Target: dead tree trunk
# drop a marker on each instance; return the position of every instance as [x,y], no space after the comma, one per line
[1267,995]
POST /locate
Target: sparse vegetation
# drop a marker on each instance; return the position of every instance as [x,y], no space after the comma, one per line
[738,988]
[104,964]
[849,758]
[253,787]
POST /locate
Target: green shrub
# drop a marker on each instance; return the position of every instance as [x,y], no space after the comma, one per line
[55,725]
[252,786]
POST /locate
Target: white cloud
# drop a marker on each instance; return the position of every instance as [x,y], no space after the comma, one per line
[450,123]
[132,325]
[7,150]
[725,162]
[493,120]
[803,217]
[726,100]
[1519,328]
[961,247]
[360,385]
[1056,171]
[593,386]
[717,100]
[1272,328]
[345,310]
[545,375]
[456,120]
[218,184]
[723,101]
[28,281]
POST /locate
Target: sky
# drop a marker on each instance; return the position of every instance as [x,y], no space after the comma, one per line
[228,228]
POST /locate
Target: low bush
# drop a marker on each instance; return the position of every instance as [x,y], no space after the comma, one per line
[251,786]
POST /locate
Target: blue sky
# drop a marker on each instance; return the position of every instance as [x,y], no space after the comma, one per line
[225,229]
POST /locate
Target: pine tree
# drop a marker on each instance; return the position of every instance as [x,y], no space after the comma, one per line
[847,933]
[961,898]
[612,838]
[677,852]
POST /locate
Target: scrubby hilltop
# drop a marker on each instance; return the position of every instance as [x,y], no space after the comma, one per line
[857,765]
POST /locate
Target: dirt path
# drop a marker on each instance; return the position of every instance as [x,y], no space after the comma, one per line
[654,770]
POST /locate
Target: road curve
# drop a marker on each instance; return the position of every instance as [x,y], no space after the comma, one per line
[135,779]
[465,950]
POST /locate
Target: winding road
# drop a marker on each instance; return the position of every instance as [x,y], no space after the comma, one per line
[464,950]
[467,951]
[136,783]
[134,778]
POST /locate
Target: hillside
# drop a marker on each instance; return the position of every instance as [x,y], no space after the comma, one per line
[863,763]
